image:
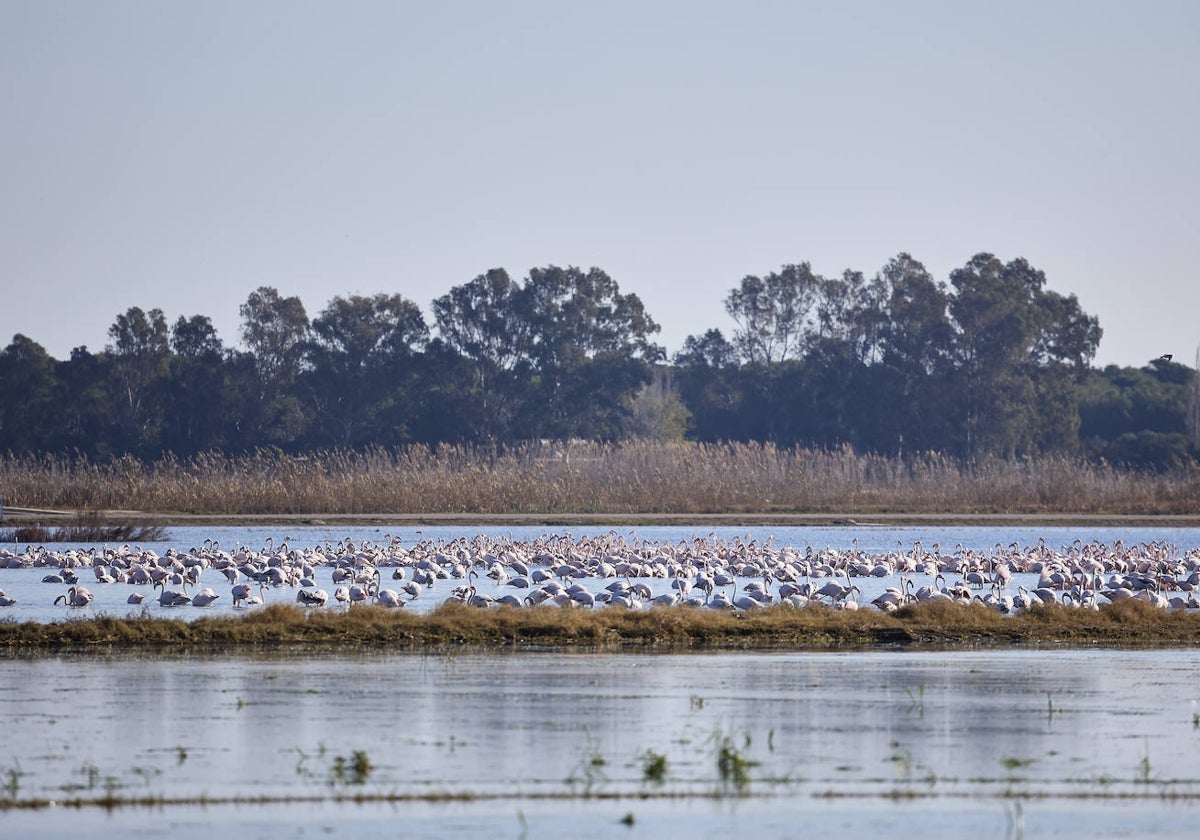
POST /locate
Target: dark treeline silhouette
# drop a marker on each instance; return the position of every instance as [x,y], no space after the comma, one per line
[992,363]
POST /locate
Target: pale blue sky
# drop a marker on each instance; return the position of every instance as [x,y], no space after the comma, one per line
[179,155]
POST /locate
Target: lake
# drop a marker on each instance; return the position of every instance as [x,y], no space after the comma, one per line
[1050,743]
[1071,743]
[35,600]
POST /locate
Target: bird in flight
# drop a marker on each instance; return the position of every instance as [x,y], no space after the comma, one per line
[1165,357]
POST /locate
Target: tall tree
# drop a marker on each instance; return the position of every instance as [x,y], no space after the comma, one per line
[88,420]
[774,314]
[139,348]
[590,349]
[199,407]
[488,322]
[274,331]
[28,390]
[359,358]
[714,389]
[917,346]
[1009,326]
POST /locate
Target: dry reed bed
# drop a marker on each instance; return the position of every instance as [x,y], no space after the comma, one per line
[451,626]
[684,478]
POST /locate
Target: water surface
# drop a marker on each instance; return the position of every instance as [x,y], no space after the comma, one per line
[1088,743]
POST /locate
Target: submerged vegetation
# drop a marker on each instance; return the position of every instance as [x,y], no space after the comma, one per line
[592,478]
[454,626]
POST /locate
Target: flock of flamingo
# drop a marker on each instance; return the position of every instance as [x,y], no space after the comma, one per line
[735,574]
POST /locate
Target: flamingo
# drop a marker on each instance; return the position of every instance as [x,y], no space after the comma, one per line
[241,594]
[312,597]
[77,596]
[388,598]
[204,597]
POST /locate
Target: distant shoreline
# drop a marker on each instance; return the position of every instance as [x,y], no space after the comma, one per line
[16,516]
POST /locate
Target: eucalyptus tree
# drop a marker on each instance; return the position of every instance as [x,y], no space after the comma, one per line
[830,398]
[361,368]
[200,408]
[916,359]
[139,349]
[1016,346]
[716,392]
[776,319]
[487,322]
[775,314]
[28,389]
[590,351]
[85,417]
[274,332]
[562,354]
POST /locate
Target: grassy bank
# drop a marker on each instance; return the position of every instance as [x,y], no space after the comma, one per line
[585,478]
[934,625]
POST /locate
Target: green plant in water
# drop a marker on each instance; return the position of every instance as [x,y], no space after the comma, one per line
[917,702]
[589,771]
[12,781]
[353,770]
[91,776]
[1144,767]
[654,767]
[733,766]
[147,774]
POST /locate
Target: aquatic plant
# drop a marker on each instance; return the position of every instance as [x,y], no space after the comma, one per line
[353,770]
[11,786]
[733,766]
[654,767]
[589,771]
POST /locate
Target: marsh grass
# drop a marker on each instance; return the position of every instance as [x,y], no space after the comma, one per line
[86,526]
[453,626]
[733,765]
[654,767]
[626,478]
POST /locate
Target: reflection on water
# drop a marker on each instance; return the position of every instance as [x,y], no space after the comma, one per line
[810,736]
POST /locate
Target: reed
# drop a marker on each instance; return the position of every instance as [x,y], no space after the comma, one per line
[625,478]
[85,526]
[452,627]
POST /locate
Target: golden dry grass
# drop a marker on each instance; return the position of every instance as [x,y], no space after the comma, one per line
[451,626]
[628,478]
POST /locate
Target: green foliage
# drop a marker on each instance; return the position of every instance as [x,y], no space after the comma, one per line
[992,364]
[654,767]
[354,770]
[1137,417]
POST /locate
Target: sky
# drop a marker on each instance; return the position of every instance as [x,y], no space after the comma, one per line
[180,155]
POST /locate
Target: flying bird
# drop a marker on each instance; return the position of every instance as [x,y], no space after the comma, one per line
[1166,357]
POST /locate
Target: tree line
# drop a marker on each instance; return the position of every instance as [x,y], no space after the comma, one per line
[990,363]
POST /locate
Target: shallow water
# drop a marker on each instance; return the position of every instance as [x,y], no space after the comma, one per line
[1068,743]
[35,600]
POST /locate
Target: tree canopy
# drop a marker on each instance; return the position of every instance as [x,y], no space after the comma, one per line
[989,362]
